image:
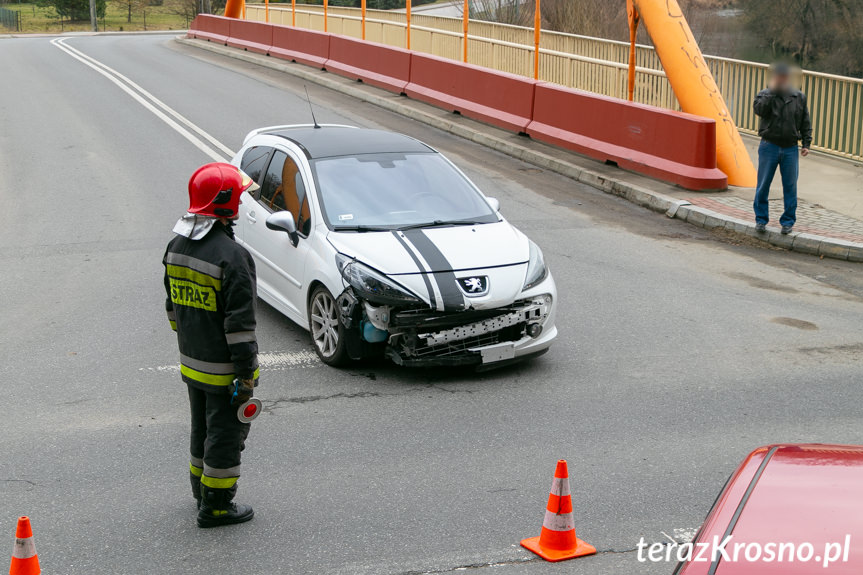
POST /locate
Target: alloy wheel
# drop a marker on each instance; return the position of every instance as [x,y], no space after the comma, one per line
[325,323]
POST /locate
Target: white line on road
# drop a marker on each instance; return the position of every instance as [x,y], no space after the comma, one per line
[270,361]
[288,360]
[153,104]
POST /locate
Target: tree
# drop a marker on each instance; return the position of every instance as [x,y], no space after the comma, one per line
[816,34]
[74,9]
[516,12]
[188,9]
[598,18]
[128,6]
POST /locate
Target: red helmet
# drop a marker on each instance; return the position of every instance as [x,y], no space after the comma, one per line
[215,189]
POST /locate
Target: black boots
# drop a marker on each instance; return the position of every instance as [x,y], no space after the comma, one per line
[217,508]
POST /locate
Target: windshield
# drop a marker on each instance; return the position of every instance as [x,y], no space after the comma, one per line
[391,191]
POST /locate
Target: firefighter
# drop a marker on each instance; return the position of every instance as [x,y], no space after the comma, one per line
[210,282]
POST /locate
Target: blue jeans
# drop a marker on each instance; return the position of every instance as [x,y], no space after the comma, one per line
[771,156]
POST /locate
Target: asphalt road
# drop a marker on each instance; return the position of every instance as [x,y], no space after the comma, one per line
[679,353]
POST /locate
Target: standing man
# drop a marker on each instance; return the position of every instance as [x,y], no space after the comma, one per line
[784,121]
[210,282]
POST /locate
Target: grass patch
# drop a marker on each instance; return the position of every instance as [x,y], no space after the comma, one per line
[39,19]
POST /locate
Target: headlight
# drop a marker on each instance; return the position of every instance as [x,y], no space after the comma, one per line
[373,285]
[536,269]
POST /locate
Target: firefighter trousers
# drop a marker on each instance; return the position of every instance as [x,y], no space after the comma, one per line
[217,439]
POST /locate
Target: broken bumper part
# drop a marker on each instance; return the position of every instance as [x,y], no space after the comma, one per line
[495,337]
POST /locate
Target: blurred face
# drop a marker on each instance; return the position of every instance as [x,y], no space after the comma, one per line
[782,81]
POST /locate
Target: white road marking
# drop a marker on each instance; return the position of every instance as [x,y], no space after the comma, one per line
[274,361]
[270,361]
[282,360]
[161,110]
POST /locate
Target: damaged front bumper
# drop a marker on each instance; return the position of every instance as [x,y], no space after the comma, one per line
[458,339]
[419,336]
[424,338]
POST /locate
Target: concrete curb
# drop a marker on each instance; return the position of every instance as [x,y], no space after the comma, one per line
[645,197]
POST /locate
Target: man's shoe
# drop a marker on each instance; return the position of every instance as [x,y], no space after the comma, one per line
[233,513]
[786,230]
[760,228]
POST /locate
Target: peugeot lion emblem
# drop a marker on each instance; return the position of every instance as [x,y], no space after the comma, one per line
[474,286]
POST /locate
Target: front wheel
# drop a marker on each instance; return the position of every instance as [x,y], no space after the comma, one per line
[326,328]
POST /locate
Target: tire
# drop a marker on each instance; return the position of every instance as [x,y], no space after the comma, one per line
[326,328]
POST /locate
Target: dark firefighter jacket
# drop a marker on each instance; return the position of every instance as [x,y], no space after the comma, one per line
[210,284]
[784,118]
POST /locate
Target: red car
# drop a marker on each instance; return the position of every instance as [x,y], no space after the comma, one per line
[788,509]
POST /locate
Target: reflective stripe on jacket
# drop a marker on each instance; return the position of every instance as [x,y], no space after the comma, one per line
[211,300]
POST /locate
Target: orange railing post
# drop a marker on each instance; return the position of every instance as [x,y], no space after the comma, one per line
[632,16]
[537,35]
[294,13]
[266,10]
[364,18]
[465,19]
[408,18]
[326,23]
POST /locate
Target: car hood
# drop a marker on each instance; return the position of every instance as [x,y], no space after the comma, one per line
[436,263]
[433,250]
[789,494]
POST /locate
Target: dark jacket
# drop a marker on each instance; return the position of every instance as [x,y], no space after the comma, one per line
[784,118]
[211,290]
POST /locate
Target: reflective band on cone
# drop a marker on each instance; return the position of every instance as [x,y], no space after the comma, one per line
[557,540]
[24,558]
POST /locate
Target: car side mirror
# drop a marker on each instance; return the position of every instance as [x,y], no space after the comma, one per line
[284,222]
[494,203]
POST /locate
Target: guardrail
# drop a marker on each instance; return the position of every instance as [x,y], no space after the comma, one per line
[591,64]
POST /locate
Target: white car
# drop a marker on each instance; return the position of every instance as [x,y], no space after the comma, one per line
[377,244]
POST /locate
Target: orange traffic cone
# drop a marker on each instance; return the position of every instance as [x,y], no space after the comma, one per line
[24,558]
[557,540]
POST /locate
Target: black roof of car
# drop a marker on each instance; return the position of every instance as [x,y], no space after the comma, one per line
[334,141]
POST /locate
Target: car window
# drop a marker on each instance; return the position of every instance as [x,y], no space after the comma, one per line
[284,189]
[394,190]
[254,162]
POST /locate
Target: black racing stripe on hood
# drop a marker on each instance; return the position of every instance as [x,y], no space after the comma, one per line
[446,281]
[432,299]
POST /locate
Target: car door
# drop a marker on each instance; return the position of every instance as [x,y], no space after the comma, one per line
[281,266]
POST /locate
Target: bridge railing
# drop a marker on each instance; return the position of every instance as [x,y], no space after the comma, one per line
[591,64]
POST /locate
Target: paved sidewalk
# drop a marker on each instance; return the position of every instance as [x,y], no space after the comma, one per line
[811,218]
[829,213]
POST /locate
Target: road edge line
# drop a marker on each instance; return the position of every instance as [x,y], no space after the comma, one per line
[149,96]
[57,43]
[655,201]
